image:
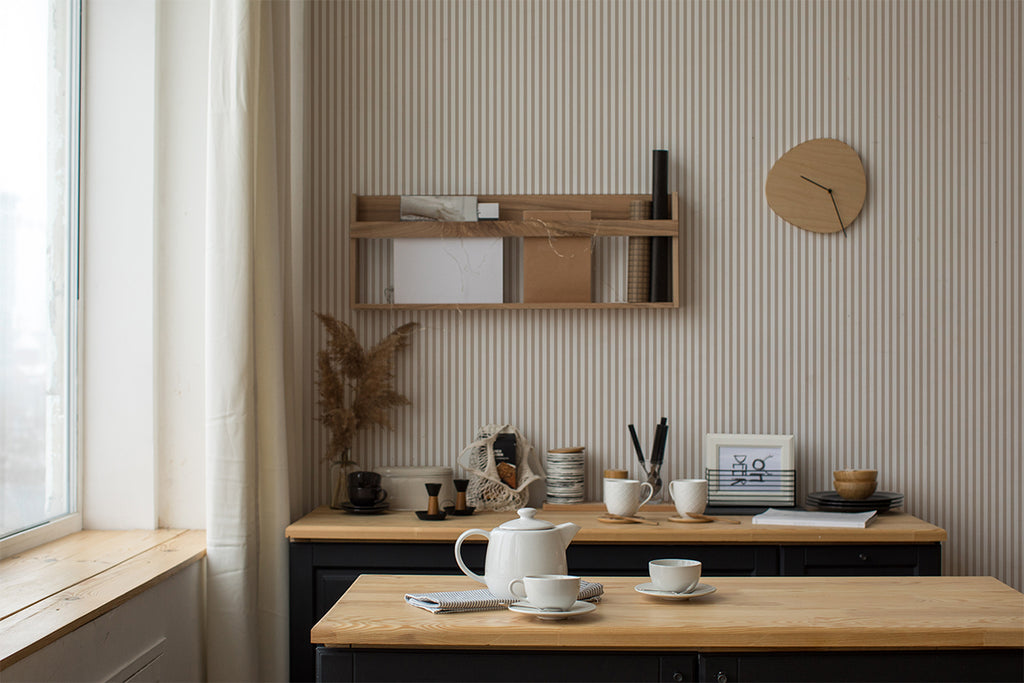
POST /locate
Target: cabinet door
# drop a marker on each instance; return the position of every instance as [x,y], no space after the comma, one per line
[881,667]
[336,565]
[631,560]
[502,666]
[861,560]
[678,668]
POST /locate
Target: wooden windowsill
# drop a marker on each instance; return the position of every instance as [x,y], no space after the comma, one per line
[53,589]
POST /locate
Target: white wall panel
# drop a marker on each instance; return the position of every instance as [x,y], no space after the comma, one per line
[897,347]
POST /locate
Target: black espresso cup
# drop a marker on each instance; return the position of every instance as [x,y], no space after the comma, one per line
[366,496]
[364,479]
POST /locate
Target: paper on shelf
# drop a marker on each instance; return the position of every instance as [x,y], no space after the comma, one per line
[448,270]
[856,520]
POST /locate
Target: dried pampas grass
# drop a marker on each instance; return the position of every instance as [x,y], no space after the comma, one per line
[355,385]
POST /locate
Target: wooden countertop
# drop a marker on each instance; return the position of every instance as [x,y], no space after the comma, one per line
[325,524]
[745,614]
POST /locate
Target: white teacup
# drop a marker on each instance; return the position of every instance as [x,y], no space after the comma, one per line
[678,576]
[689,495]
[624,497]
[547,591]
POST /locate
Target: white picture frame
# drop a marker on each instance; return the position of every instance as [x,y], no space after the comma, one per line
[750,469]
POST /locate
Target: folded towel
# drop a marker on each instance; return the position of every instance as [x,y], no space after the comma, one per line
[446,602]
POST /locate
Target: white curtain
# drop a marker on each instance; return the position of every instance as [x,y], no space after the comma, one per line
[251,239]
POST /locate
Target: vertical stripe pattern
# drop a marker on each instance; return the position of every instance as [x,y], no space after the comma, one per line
[897,348]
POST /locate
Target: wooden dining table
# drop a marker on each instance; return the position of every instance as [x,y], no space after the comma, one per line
[749,628]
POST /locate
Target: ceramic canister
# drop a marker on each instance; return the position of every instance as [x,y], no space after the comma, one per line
[565,480]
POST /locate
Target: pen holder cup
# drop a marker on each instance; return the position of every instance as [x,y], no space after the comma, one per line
[654,479]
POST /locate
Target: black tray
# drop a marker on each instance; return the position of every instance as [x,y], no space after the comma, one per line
[365,509]
[830,501]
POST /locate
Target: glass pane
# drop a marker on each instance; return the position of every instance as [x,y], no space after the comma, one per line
[38,192]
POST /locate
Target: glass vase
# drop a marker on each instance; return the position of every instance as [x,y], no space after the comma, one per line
[340,469]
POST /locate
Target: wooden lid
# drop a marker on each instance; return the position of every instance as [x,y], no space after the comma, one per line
[616,474]
[572,449]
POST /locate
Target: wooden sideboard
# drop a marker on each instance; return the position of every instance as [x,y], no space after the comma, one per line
[329,549]
[750,629]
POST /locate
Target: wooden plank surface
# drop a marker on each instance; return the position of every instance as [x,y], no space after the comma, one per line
[43,622]
[512,206]
[517,228]
[38,573]
[515,306]
[745,614]
[325,524]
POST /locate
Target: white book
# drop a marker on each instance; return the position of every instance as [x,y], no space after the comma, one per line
[854,520]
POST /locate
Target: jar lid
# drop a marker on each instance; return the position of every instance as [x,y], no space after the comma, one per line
[616,474]
[573,449]
[526,522]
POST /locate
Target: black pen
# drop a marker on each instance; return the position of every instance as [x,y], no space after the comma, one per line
[660,436]
[637,448]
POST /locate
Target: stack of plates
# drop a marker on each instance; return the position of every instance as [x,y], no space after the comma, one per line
[830,501]
[565,475]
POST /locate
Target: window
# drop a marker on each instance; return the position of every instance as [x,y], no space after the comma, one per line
[39,79]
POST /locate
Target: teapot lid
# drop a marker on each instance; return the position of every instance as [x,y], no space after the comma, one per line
[526,521]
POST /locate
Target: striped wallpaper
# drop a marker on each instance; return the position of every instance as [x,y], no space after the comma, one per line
[898,347]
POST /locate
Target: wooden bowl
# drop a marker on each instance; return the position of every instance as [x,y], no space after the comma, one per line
[855,490]
[855,475]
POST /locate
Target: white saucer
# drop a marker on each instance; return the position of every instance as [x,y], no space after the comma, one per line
[649,589]
[579,607]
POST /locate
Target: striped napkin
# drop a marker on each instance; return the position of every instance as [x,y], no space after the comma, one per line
[446,602]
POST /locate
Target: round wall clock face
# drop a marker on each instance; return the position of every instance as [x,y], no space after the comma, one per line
[819,185]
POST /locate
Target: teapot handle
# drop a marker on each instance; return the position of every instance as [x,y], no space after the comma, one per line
[458,552]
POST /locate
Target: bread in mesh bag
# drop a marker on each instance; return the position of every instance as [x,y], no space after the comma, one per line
[487,490]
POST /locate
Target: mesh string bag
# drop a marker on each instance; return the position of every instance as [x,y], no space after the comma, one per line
[486,490]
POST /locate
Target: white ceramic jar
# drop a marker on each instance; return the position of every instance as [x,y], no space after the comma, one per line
[405,486]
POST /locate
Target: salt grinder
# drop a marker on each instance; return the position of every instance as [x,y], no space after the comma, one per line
[460,495]
[432,505]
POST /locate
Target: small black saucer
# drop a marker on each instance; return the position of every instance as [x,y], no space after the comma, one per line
[365,509]
[461,513]
[423,514]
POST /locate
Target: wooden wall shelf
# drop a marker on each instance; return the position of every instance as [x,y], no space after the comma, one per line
[378,217]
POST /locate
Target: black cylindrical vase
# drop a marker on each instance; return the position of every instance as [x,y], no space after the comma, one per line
[659,184]
[661,247]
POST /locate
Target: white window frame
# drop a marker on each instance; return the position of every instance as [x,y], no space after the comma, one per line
[70,523]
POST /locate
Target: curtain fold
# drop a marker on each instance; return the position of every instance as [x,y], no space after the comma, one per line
[249,349]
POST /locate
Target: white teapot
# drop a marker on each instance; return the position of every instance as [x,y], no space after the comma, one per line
[518,548]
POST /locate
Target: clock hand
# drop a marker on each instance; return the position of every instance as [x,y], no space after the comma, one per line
[814,183]
[833,198]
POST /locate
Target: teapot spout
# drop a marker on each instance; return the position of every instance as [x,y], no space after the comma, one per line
[567,532]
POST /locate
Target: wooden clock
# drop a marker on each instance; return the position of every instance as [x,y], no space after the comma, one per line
[819,185]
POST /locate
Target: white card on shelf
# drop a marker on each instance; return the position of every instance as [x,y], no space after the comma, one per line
[463,270]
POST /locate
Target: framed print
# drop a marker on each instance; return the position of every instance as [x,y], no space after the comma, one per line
[750,469]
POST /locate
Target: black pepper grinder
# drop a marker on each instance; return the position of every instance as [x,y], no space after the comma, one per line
[432,505]
[460,494]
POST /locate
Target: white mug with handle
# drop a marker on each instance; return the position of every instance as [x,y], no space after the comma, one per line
[623,497]
[689,495]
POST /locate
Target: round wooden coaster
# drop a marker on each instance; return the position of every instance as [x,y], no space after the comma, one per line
[616,520]
[688,520]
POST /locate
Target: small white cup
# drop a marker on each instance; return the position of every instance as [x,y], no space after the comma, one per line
[547,591]
[689,495]
[678,576]
[624,497]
